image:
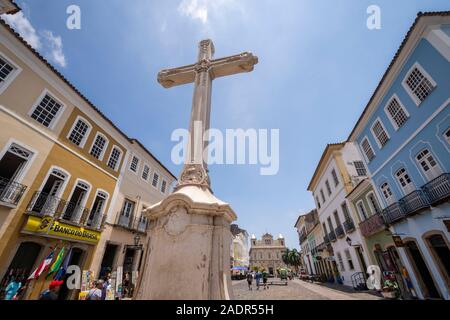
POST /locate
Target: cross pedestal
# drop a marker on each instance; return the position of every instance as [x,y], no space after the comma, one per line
[188,251]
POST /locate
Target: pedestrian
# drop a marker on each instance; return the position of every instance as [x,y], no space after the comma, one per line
[52,292]
[96,292]
[258,279]
[249,281]
[264,276]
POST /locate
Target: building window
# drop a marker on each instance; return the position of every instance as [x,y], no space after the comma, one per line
[428,164]
[79,133]
[405,181]
[163,186]
[367,148]
[360,169]
[5,70]
[341,262]
[396,113]
[362,210]
[134,164]
[418,84]
[345,211]
[155,179]
[322,195]
[145,172]
[373,203]
[349,260]
[114,158]
[447,135]
[380,133]
[99,146]
[46,111]
[327,184]
[387,193]
[335,178]
[318,202]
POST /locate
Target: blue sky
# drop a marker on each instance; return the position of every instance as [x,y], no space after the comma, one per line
[318,66]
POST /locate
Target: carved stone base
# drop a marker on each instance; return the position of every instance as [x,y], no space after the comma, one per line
[188,256]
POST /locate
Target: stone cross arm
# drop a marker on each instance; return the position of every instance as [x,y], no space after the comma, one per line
[243,62]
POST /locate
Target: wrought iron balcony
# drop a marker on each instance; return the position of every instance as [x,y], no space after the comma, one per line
[96,222]
[349,225]
[142,224]
[10,191]
[332,236]
[74,213]
[414,202]
[339,231]
[393,213]
[43,204]
[438,190]
[124,221]
[372,225]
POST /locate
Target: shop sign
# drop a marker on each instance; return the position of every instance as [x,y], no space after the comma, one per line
[398,241]
[47,226]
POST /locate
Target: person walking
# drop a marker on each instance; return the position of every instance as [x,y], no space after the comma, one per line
[97,292]
[258,279]
[249,281]
[52,292]
[265,277]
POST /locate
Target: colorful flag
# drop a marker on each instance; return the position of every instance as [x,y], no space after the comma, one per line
[63,269]
[43,266]
[55,266]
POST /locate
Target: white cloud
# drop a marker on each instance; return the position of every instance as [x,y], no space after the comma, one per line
[194,9]
[203,9]
[55,48]
[23,26]
[46,42]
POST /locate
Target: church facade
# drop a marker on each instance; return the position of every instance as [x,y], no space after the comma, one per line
[267,253]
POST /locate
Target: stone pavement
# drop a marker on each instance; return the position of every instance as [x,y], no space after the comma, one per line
[297,290]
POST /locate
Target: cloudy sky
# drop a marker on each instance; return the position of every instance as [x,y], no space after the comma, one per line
[318,66]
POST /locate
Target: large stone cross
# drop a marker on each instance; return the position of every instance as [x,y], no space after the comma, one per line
[202,73]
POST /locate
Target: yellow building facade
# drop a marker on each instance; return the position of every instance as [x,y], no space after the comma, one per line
[60,160]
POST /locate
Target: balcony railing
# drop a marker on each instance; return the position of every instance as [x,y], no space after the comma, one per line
[10,191]
[332,236]
[339,231]
[393,213]
[124,221]
[438,190]
[43,204]
[349,225]
[414,202]
[142,225]
[372,225]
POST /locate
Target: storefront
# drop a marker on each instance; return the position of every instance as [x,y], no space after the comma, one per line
[39,237]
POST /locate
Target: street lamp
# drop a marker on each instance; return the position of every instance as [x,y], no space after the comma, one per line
[137,239]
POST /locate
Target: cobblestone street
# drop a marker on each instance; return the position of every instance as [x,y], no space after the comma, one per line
[297,290]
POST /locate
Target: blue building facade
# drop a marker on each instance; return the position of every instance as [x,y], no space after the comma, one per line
[404,138]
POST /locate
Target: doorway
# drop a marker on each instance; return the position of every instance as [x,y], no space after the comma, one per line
[441,254]
[21,265]
[74,206]
[47,200]
[108,259]
[75,259]
[422,272]
[362,261]
[11,167]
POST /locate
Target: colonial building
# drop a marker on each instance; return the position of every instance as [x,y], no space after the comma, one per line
[339,170]
[239,247]
[404,137]
[62,170]
[267,253]
[143,182]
